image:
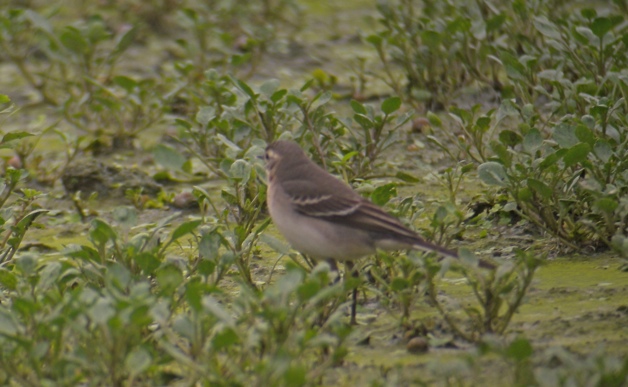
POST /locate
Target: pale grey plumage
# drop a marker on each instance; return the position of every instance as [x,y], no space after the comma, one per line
[323,217]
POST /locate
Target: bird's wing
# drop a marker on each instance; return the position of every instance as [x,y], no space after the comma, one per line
[322,201]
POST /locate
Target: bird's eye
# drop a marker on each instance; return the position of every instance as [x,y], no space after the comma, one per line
[266,156]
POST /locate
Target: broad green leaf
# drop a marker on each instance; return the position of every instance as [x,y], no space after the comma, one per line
[8,280]
[169,278]
[565,135]
[398,284]
[375,40]
[225,338]
[603,150]
[14,136]
[607,205]
[101,232]
[520,349]
[275,244]
[532,140]
[358,107]
[295,375]
[577,154]
[124,40]
[493,173]
[137,361]
[209,245]
[101,311]
[547,28]
[240,170]
[213,307]
[148,262]
[321,99]
[601,26]
[406,177]
[540,188]
[8,324]
[269,87]
[363,121]
[434,120]
[244,87]
[73,40]
[510,138]
[307,290]
[205,114]
[584,134]
[391,105]
[184,229]
[382,194]
[168,157]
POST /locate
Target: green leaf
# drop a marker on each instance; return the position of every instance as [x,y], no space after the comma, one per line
[532,141]
[509,138]
[540,188]
[244,87]
[565,135]
[8,280]
[603,150]
[398,284]
[275,244]
[185,228]
[240,170]
[226,338]
[606,205]
[14,136]
[4,99]
[601,26]
[547,28]
[101,232]
[168,157]
[278,95]
[73,40]
[552,159]
[520,349]
[358,107]
[382,194]
[577,154]
[8,324]
[209,245]
[124,41]
[213,307]
[295,376]
[434,120]
[525,194]
[375,40]
[127,83]
[308,290]
[169,277]
[321,99]
[502,153]
[363,121]
[406,177]
[148,262]
[493,173]
[269,87]
[205,114]
[137,361]
[391,105]
[584,134]
[467,257]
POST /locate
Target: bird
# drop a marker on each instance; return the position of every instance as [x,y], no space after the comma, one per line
[325,219]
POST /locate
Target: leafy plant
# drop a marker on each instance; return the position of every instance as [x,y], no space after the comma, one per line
[498,293]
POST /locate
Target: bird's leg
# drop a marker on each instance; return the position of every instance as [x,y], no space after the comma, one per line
[349,268]
[333,266]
